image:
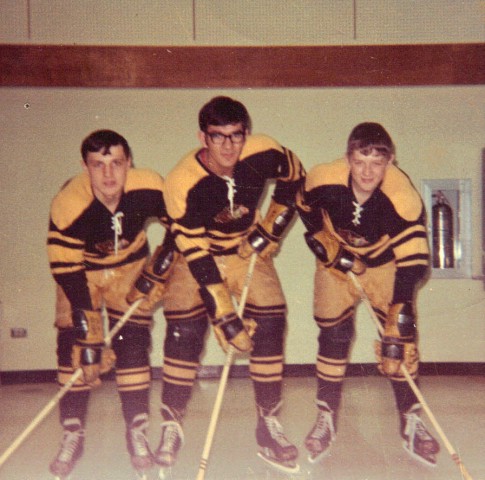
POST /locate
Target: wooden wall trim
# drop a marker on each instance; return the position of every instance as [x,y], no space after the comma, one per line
[233,67]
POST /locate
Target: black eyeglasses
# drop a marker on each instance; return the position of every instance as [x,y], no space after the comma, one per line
[219,138]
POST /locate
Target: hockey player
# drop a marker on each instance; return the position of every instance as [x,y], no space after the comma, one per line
[363,215]
[97,248]
[212,197]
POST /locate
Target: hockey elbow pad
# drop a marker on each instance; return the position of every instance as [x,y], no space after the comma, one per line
[151,283]
[228,327]
[264,237]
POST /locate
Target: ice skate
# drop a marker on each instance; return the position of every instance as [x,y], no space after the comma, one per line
[276,449]
[171,440]
[322,435]
[72,447]
[418,442]
[138,448]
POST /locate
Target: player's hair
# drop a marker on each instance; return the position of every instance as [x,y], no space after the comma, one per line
[102,141]
[369,136]
[223,111]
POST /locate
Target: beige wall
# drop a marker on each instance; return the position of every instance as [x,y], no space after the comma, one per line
[438,132]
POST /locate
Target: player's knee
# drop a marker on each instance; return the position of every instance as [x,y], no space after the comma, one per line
[65,340]
[335,341]
[131,346]
[185,340]
[268,337]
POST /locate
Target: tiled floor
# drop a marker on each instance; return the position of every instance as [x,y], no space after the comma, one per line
[368,446]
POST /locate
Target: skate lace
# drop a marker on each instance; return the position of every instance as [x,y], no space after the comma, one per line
[416,428]
[276,431]
[231,190]
[324,425]
[70,443]
[172,434]
[139,442]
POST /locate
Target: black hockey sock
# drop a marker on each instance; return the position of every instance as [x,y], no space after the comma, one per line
[329,392]
[267,395]
[404,395]
[74,405]
[176,396]
[134,403]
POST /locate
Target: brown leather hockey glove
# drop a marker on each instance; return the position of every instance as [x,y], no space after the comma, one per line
[264,237]
[151,283]
[86,353]
[228,327]
[398,343]
[333,254]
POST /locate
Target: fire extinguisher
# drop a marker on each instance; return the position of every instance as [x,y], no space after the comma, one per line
[443,244]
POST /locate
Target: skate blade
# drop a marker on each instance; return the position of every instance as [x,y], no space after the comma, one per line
[319,456]
[163,472]
[288,467]
[429,463]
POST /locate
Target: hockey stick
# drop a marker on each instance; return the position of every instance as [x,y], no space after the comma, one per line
[225,373]
[66,387]
[412,383]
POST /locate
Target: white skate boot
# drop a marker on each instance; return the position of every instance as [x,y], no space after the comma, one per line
[418,442]
[322,435]
[171,440]
[137,443]
[276,449]
[72,447]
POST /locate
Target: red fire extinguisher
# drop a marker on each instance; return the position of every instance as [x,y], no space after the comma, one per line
[443,244]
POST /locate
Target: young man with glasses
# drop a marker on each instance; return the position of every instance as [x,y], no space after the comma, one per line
[212,197]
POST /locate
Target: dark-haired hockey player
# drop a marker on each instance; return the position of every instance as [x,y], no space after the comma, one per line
[212,197]
[97,248]
[363,214]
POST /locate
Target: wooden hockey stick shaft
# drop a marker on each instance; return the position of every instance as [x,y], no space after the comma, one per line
[224,376]
[412,383]
[65,388]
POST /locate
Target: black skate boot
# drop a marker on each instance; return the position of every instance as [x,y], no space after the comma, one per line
[72,447]
[171,440]
[322,435]
[276,449]
[418,442]
[137,443]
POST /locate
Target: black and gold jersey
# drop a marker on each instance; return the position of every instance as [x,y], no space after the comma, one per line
[389,226]
[212,215]
[84,235]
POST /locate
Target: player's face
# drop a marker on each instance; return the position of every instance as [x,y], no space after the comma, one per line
[224,146]
[108,174]
[367,172]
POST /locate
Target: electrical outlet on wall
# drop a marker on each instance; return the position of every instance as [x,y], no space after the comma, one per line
[18,332]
